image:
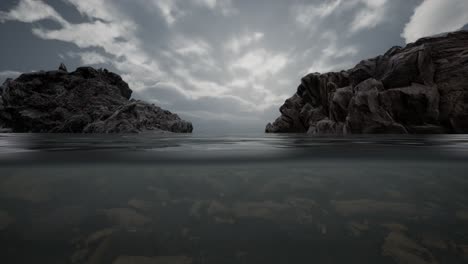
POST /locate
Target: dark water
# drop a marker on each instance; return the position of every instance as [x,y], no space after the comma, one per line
[250,199]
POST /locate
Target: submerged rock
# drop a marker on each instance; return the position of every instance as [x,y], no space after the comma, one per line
[29,188]
[421,88]
[84,101]
[126,217]
[153,260]
[375,207]
[403,250]
[462,214]
[5,220]
[292,210]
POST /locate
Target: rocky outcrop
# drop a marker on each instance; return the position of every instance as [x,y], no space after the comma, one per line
[421,88]
[84,101]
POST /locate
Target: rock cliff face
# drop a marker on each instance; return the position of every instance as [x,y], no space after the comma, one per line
[84,101]
[421,88]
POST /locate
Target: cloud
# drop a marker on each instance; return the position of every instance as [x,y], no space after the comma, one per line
[332,50]
[169,10]
[190,46]
[254,74]
[225,6]
[370,16]
[205,87]
[90,57]
[332,57]
[101,9]
[172,11]
[236,44]
[434,17]
[31,11]
[193,55]
[367,13]
[306,14]
[93,34]
[208,3]
[260,63]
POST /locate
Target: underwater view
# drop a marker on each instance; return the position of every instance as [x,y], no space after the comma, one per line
[125,199]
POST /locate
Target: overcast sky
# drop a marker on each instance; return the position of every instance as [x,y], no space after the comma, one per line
[226,65]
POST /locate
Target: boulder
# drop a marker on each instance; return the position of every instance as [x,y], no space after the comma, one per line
[402,249]
[413,105]
[340,103]
[420,88]
[365,113]
[327,126]
[84,101]
[290,120]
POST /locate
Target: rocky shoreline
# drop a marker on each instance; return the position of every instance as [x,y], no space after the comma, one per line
[84,101]
[419,89]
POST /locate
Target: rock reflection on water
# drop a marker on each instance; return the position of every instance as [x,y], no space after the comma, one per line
[295,211]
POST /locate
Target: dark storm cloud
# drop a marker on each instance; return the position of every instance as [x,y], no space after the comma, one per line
[224,64]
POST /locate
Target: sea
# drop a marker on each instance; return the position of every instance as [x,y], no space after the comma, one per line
[250,198]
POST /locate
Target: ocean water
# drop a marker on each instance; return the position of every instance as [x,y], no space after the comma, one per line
[129,199]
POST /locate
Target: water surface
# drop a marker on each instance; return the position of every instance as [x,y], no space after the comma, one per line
[233,199]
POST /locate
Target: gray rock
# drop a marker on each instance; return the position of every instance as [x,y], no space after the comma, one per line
[421,88]
[340,103]
[329,127]
[62,67]
[84,101]
[136,116]
[5,220]
[365,113]
[290,120]
[413,105]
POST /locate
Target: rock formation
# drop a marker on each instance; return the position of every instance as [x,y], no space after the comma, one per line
[84,101]
[421,88]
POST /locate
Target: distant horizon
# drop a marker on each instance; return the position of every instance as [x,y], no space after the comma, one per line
[225,65]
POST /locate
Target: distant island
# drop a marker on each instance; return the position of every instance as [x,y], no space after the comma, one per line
[84,101]
[421,88]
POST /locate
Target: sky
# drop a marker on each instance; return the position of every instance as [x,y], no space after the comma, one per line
[225,65]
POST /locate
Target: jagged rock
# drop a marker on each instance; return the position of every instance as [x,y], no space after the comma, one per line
[2,128]
[62,67]
[340,102]
[327,126]
[84,101]
[421,88]
[289,121]
[365,113]
[413,105]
